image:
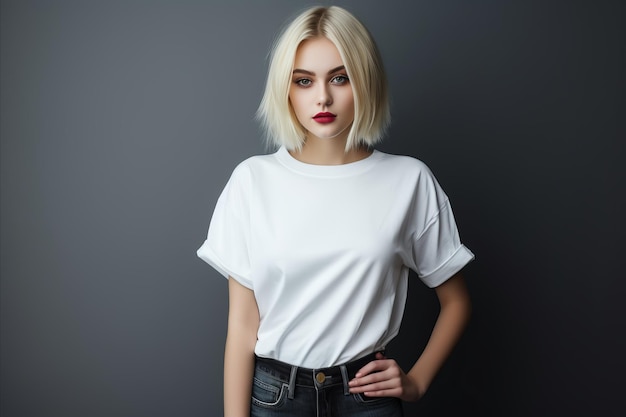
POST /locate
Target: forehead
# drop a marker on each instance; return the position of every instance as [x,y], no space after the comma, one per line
[317,53]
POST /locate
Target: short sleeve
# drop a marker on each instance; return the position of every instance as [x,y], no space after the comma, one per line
[226,247]
[434,249]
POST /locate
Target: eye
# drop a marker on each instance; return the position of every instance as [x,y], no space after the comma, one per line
[303,82]
[339,79]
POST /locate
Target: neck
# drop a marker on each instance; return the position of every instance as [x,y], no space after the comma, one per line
[329,152]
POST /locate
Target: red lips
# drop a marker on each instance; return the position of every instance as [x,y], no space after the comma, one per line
[324,117]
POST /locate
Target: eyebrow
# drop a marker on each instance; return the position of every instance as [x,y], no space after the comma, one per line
[332,71]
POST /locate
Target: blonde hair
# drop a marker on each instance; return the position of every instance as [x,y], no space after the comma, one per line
[364,66]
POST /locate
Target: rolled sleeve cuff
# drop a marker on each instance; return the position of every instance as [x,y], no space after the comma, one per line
[461,257]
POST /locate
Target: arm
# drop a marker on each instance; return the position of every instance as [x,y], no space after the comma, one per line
[384,377]
[453,317]
[243,323]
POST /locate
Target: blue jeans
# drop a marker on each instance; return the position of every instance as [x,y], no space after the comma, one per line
[281,390]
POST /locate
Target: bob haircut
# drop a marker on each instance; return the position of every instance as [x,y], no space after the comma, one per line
[364,66]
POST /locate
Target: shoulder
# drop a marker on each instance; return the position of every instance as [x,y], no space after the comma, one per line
[412,175]
[253,165]
[404,165]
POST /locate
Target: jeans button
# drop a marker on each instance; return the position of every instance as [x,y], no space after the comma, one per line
[320,377]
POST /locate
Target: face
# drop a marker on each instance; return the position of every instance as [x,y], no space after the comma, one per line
[320,91]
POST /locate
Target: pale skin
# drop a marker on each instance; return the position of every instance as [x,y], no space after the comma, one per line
[320,84]
[384,377]
[243,324]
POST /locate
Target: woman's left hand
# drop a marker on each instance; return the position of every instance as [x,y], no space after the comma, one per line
[384,378]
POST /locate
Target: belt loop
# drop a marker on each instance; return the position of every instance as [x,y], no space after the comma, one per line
[344,374]
[292,382]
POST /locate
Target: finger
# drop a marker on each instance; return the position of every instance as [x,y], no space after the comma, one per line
[376,387]
[367,380]
[376,371]
[373,366]
[390,373]
[394,392]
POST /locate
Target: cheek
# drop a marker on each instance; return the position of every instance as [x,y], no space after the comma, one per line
[347,96]
[296,107]
[349,102]
[296,101]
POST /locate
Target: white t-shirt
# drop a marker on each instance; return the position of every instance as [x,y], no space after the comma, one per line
[327,250]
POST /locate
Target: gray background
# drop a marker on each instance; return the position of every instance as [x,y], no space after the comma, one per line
[122,120]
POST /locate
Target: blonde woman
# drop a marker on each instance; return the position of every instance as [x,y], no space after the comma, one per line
[317,239]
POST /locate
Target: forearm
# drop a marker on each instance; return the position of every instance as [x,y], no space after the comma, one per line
[238,376]
[450,324]
[243,324]
[384,378]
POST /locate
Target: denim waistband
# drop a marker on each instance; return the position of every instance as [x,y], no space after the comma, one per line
[313,377]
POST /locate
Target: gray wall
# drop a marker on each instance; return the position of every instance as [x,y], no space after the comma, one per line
[121,122]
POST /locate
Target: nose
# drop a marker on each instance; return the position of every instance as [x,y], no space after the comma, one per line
[324,96]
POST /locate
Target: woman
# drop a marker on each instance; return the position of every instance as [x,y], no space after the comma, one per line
[317,239]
